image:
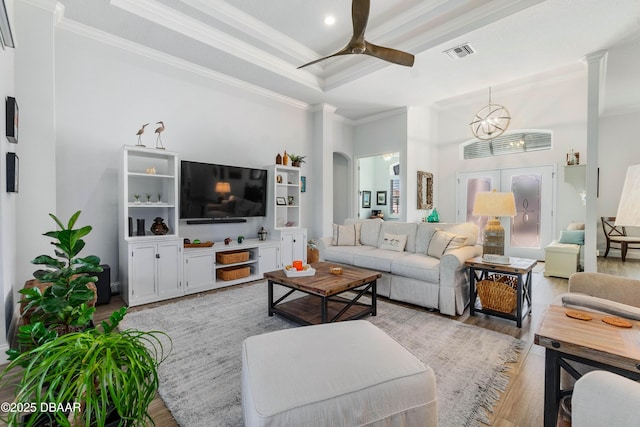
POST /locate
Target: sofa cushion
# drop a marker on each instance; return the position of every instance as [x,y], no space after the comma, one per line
[393,242]
[575,226]
[377,259]
[399,228]
[442,242]
[369,231]
[417,266]
[345,235]
[423,236]
[344,254]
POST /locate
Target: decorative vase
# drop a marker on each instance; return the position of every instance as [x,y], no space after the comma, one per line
[434,217]
[159,228]
[295,164]
[240,239]
[140,230]
[285,158]
[278,159]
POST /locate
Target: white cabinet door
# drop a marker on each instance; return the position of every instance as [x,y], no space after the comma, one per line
[269,259]
[169,265]
[142,275]
[199,272]
[293,246]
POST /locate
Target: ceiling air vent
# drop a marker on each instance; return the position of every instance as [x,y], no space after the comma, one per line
[460,51]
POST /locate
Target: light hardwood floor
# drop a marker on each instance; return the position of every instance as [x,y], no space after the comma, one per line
[521,405]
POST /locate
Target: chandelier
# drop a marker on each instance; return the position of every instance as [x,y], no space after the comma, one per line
[491,121]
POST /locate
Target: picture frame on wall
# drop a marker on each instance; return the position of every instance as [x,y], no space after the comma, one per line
[11,119]
[281,201]
[366,199]
[13,174]
[381,198]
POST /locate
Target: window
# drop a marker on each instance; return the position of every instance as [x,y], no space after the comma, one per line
[511,143]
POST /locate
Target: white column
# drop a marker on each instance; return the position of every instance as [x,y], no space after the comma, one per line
[323,117]
[596,63]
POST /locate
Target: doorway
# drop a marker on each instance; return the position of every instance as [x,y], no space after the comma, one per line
[379,186]
[531,230]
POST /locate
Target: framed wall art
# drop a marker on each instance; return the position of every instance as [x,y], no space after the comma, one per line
[366,199]
[425,190]
[11,119]
[381,198]
[303,184]
[12,173]
[281,201]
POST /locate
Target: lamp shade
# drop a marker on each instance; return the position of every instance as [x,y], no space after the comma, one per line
[223,187]
[494,204]
[629,207]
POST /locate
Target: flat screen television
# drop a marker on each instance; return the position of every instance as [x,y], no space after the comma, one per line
[210,191]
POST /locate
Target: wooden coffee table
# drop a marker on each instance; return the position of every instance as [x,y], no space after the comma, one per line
[326,300]
[592,342]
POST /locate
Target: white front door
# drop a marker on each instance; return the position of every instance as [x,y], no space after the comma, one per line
[526,234]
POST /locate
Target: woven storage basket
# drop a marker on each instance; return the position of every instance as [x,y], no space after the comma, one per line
[498,293]
[232,257]
[233,273]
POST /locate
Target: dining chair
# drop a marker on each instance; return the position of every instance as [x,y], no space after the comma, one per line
[617,235]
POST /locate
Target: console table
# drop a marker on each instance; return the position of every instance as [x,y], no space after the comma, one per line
[590,342]
[521,268]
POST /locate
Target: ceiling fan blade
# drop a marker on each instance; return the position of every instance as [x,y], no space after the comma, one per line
[359,17]
[390,55]
[344,51]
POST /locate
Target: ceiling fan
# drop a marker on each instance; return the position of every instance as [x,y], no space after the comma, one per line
[358,45]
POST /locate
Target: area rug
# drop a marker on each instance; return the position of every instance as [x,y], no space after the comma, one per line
[200,380]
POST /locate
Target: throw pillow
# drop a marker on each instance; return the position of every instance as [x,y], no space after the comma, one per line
[575,226]
[344,235]
[575,237]
[394,242]
[442,242]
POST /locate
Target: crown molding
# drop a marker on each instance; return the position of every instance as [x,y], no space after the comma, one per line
[154,55]
[380,116]
[48,5]
[328,108]
[167,17]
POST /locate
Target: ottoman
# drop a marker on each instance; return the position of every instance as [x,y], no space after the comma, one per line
[339,374]
[561,259]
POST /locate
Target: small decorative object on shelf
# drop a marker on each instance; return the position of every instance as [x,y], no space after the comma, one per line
[137,197]
[159,197]
[279,179]
[159,228]
[433,217]
[296,160]
[159,130]
[278,159]
[285,158]
[240,239]
[139,134]
[262,234]
[151,170]
[140,231]
[291,200]
[573,158]
[148,198]
[227,240]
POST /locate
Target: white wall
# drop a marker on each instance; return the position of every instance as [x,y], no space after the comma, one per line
[7,200]
[104,94]
[555,101]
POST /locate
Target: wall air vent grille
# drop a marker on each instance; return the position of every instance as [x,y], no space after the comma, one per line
[460,51]
[508,143]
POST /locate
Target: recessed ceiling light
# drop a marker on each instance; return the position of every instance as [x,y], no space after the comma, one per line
[329,20]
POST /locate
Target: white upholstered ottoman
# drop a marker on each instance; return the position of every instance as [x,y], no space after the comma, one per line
[338,374]
[561,259]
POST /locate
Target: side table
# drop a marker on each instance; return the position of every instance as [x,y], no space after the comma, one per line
[520,268]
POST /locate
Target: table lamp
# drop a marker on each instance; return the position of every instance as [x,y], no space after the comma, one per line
[494,204]
[629,207]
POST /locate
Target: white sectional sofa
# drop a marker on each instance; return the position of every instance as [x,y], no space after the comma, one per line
[421,264]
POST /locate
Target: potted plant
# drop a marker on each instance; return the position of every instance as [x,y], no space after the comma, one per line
[88,378]
[296,160]
[61,296]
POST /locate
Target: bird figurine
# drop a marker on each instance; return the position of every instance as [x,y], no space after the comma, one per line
[139,133]
[159,131]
